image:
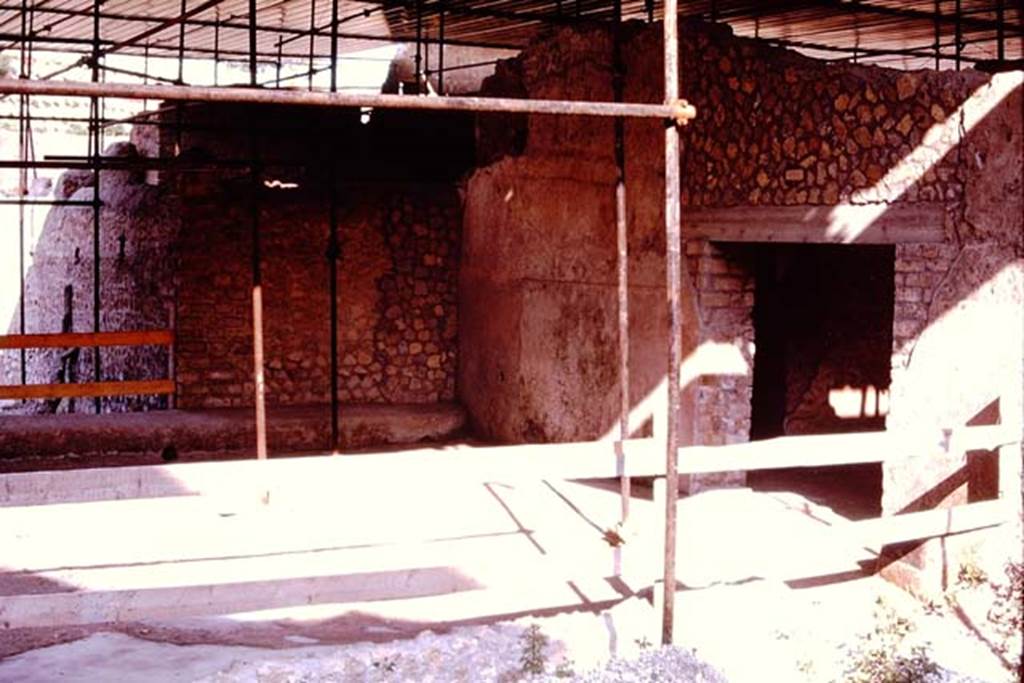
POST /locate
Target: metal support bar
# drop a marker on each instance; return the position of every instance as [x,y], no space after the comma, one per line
[312,41]
[1001,31]
[959,33]
[24,113]
[672,268]
[679,110]
[622,243]
[440,48]
[252,43]
[259,382]
[419,47]
[333,248]
[94,153]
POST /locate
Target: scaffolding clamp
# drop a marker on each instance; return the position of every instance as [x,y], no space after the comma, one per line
[682,112]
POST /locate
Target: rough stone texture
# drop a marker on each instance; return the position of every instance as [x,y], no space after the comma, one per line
[396,296]
[538,332]
[399,221]
[959,335]
[138,225]
[774,129]
[725,294]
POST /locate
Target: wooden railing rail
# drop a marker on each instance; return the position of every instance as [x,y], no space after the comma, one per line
[149,387]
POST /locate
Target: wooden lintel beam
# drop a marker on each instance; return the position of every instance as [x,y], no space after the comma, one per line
[842,224]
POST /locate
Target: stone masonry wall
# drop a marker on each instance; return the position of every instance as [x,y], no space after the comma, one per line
[399,223]
[138,226]
[774,129]
[396,297]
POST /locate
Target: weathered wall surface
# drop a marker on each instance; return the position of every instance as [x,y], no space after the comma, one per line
[959,336]
[138,227]
[175,248]
[396,297]
[774,129]
[399,220]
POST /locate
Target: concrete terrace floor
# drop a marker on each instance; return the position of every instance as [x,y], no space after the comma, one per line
[226,570]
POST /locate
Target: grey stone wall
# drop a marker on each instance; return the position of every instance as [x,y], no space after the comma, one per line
[138,227]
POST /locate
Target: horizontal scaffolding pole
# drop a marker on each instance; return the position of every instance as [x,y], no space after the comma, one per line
[680,111]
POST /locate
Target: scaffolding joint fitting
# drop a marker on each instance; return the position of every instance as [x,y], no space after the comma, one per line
[682,112]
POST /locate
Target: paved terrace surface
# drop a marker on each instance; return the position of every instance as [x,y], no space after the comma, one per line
[331,561]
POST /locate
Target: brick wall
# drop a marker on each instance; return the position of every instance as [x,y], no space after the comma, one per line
[397,276]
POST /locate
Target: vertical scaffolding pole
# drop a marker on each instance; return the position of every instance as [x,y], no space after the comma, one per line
[419,46]
[23,114]
[216,48]
[622,242]
[277,72]
[333,249]
[440,48]
[94,154]
[181,44]
[1000,30]
[959,33]
[312,40]
[672,268]
[257,273]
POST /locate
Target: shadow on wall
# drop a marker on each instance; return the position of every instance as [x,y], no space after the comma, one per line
[179,253]
[796,149]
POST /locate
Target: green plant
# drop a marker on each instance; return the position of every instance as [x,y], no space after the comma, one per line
[1006,615]
[883,655]
[532,659]
[971,575]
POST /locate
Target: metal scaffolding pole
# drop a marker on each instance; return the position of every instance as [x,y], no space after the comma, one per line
[333,248]
[94,153]
[673,283]
[440,48]
[312,41]
[23,133]
[679,110]
[622,253]
[1001,31]
[419,47]
[259,382]
[958,33]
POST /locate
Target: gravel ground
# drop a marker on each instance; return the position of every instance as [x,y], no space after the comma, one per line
[617,646]
[739,635]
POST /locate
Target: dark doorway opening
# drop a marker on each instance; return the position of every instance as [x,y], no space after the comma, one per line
[823,329]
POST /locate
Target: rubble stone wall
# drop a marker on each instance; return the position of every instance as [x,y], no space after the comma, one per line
[774,129]
[138,226]
[396,297]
